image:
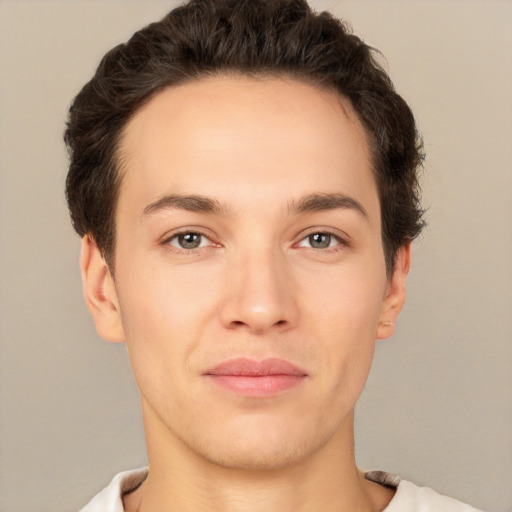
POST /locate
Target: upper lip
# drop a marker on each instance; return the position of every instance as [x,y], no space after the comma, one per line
[244,367]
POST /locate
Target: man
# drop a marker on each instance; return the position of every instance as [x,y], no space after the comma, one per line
[244,179]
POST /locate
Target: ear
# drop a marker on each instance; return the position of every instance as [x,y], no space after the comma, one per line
[395,294]
[100,292]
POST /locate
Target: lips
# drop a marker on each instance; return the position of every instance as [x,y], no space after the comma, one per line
[256,378]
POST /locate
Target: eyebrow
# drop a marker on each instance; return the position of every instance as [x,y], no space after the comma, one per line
[311,203]
[193,203]
[321,202]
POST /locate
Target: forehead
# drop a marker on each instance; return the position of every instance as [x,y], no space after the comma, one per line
[258,138]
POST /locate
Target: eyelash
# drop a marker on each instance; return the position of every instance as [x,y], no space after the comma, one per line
[167,241]
[341,242]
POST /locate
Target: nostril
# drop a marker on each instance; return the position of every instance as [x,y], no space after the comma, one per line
[240,323]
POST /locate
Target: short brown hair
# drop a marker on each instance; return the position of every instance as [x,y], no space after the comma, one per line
[254,38]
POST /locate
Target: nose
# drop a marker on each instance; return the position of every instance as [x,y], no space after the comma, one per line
[259,293]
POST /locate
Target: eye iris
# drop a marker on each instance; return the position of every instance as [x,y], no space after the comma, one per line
[320,240]
[189,240]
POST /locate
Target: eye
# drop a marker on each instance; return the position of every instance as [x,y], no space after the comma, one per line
[189,240]
[320,241]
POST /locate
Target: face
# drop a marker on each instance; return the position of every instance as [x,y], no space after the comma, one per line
[250,280]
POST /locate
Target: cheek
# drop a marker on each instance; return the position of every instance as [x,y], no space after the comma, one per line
[344,321]
[347,300]
[164,312]
[164,299]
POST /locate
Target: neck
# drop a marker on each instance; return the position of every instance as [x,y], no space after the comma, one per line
[327,480]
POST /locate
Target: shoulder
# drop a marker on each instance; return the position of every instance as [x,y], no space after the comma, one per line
[110,498]
[410,497]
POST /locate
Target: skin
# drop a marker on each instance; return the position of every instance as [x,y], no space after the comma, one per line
[257,286]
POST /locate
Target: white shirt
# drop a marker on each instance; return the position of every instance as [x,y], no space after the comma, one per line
[408,497]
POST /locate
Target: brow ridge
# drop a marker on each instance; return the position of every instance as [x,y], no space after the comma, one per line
[317,202]
[193,203]
[314,202]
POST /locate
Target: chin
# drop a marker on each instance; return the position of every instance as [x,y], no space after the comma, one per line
[257,458]
[262,449]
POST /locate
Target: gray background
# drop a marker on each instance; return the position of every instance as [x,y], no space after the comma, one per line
[438,405]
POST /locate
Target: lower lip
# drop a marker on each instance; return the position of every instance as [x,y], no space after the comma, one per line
[265,385]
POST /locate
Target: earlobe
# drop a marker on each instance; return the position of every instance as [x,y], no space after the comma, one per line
[100,292]
[395,294]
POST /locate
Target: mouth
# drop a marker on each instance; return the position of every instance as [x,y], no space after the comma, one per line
[256,378]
